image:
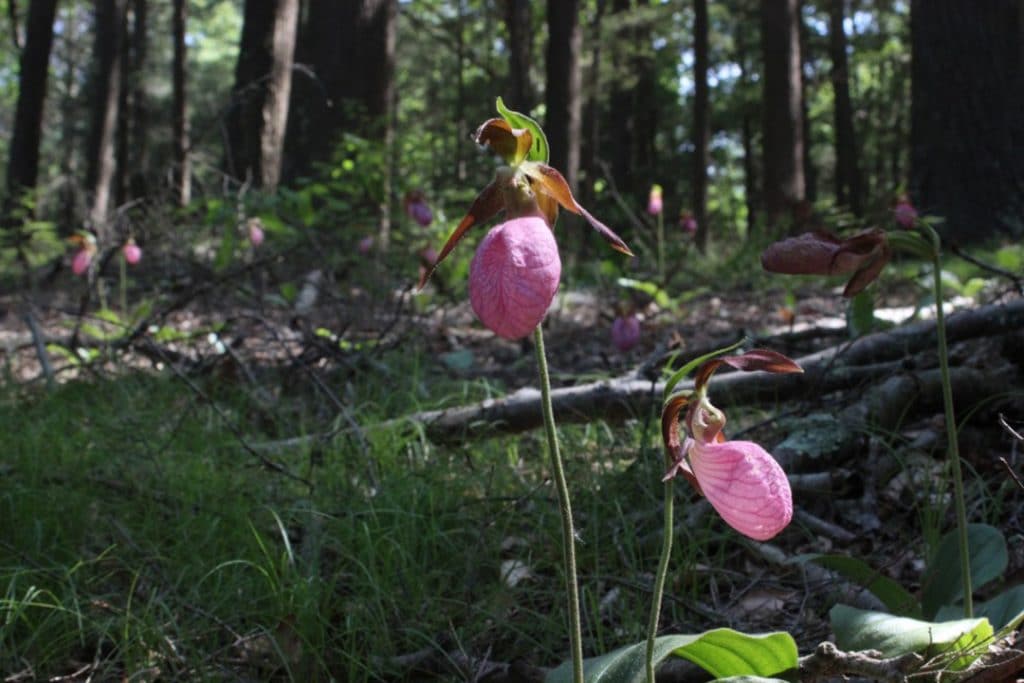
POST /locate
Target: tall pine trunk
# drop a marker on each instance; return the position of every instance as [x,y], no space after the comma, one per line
[783,182]
[179,109]
[23,159]
[848,184]
[563,87]
[106,92]
[701,126]
[244,120]
[279,86]
[967,115]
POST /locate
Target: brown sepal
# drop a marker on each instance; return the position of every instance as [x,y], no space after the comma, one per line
[754,360]
[486,205]
[553,184]
[511,144]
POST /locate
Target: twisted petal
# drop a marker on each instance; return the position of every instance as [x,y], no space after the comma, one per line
[745,485]
[514,276]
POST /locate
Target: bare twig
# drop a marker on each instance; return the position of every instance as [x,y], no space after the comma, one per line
[1018,282]
[828,661]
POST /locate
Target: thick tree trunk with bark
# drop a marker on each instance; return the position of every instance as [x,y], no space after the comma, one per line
[279,87]
[106,92]
[519,95]
[563,87]
[179,113]
[967,115]
[848,184]
[23,162]
[244,119]
[700,121]
[619,139]
[783,181]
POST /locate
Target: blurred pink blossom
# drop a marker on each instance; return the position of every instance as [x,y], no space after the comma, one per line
[80,263]
[514,276]
[625,332]
[687,222]
[654,203]
[365,245]
[417,208]
[255,233]
[132,252]
[904,212]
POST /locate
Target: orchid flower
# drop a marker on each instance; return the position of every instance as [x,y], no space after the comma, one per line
[82,259]
[904,212]
[687,222]
[516,269]
[132,252]
[822,253]
[255,232]
[741,480]
[654,201]
[416,208]
[626,332]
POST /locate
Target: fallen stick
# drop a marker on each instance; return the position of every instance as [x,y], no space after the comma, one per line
[863,360]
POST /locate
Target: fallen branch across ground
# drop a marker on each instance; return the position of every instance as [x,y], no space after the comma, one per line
[843,366]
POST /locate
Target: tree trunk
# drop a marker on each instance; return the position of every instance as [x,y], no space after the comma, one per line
[23,162]
[244,120]
[783,182]
[179,109]
[106,92]
[621,121]
[520,53]
[563,87]
[806,61]
[967,127]
[700,121]
[279,87]
[848,189]
[139,138]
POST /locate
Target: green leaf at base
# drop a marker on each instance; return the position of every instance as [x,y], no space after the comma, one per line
[721,652]
[943,584]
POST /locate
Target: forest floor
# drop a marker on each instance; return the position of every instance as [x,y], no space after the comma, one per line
[220,486]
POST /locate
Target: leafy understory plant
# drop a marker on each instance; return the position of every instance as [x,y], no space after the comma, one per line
[965,559]
[514,276]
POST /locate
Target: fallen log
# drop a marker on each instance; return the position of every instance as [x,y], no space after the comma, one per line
[846,365]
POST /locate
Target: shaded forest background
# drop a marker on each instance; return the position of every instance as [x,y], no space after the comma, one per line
[755,116]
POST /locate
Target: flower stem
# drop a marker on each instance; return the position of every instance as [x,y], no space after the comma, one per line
[661,249]
[659,580]
[564,506]
[951,431]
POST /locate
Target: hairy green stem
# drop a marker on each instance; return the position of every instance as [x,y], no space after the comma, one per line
[951,431]
[659,580]
[124,287]
[564,506]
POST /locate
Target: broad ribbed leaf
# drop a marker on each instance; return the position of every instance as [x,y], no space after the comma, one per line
[893,595]
[721,652]
[943,582]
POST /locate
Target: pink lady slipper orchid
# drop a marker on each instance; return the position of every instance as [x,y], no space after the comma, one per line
[255,232]
[688,223]
[132,253]
[82,259]
[654,203]
[515,272]
[416,208]
[822,253]
[741,480]
[365,245]
[904,212]
[626,332]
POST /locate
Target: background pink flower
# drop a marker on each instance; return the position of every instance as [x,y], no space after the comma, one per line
[255,233]
[654,202]
[514,276]
[80,263]
[365,245]
[626,332]
[132,252]
[905,213]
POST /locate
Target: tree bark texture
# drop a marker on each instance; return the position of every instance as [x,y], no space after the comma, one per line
[106,93]
[619,138]
[563,87]
[279,86]
[806,64]
[23,159]
[701,126]
[967,116]
[783,179]
[244,119]
[139,102]
[179,120]
[518,19]
[848,184]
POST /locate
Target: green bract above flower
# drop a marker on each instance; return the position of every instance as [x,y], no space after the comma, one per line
[527,186]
